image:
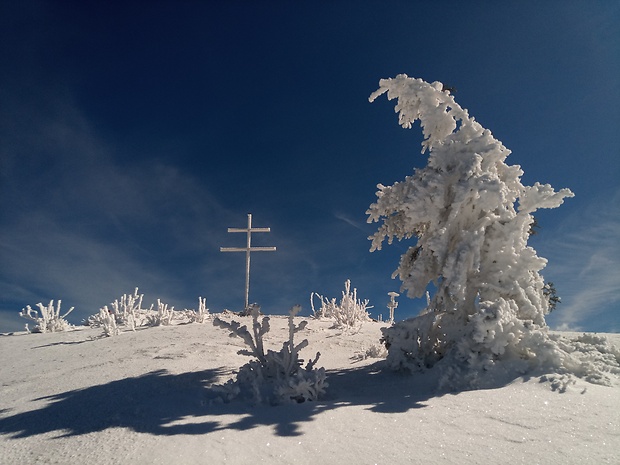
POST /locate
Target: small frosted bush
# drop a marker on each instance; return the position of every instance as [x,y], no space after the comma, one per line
[127,309]
[349,313]
[201,315]
[50,319]
[374,351]
[273,377]
[107,322]
[163,316]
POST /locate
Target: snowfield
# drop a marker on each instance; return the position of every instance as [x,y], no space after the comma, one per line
[147,397]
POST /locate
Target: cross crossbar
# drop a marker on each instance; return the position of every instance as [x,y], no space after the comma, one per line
[249,230]
[244,249]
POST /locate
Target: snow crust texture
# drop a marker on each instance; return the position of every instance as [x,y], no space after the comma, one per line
[144,397]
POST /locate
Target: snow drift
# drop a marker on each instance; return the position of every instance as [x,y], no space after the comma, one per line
[146,397]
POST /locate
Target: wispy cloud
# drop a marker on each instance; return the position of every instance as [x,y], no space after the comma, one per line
[80,225]
[584,257]
[91,224]
[344,217]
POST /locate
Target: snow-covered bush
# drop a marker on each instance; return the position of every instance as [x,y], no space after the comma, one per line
[163,316]
[374,351]
[273,377]
[201,315]
[106,321]
[50,319]
[471,217]
[349,313]
[250,310]
[127,309]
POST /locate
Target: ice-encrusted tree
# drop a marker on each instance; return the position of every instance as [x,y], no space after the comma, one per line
[470,216]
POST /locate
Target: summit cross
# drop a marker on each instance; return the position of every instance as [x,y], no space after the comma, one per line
[249,230]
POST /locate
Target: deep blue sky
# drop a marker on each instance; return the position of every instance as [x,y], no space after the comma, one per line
[133,134]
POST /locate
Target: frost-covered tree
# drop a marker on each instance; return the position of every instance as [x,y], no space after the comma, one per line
[471,218]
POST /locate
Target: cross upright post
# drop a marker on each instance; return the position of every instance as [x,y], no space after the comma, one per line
[249,230]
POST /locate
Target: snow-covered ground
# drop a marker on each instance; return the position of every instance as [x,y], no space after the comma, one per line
[145,397]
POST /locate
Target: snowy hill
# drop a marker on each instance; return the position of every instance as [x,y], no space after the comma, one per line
[146,397]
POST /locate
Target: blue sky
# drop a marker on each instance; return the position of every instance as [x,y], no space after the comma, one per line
[133,135]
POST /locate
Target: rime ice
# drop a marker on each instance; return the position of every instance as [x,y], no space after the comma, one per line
[471,216]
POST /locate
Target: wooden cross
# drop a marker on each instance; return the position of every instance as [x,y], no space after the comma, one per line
[249,230]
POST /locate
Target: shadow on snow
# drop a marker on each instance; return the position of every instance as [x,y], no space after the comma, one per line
[162,403]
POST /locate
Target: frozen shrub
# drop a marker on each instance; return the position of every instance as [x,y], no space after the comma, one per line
[374,351]
[326,309]
[273,377]
[163,316]
[250,309]
[107,322]
[201,315]
[50,319]
[94,321]
[127,309]
[349,313]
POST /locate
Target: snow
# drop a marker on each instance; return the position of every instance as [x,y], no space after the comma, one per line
[145,397]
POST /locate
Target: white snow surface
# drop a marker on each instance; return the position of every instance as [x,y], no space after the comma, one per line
[146,397]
